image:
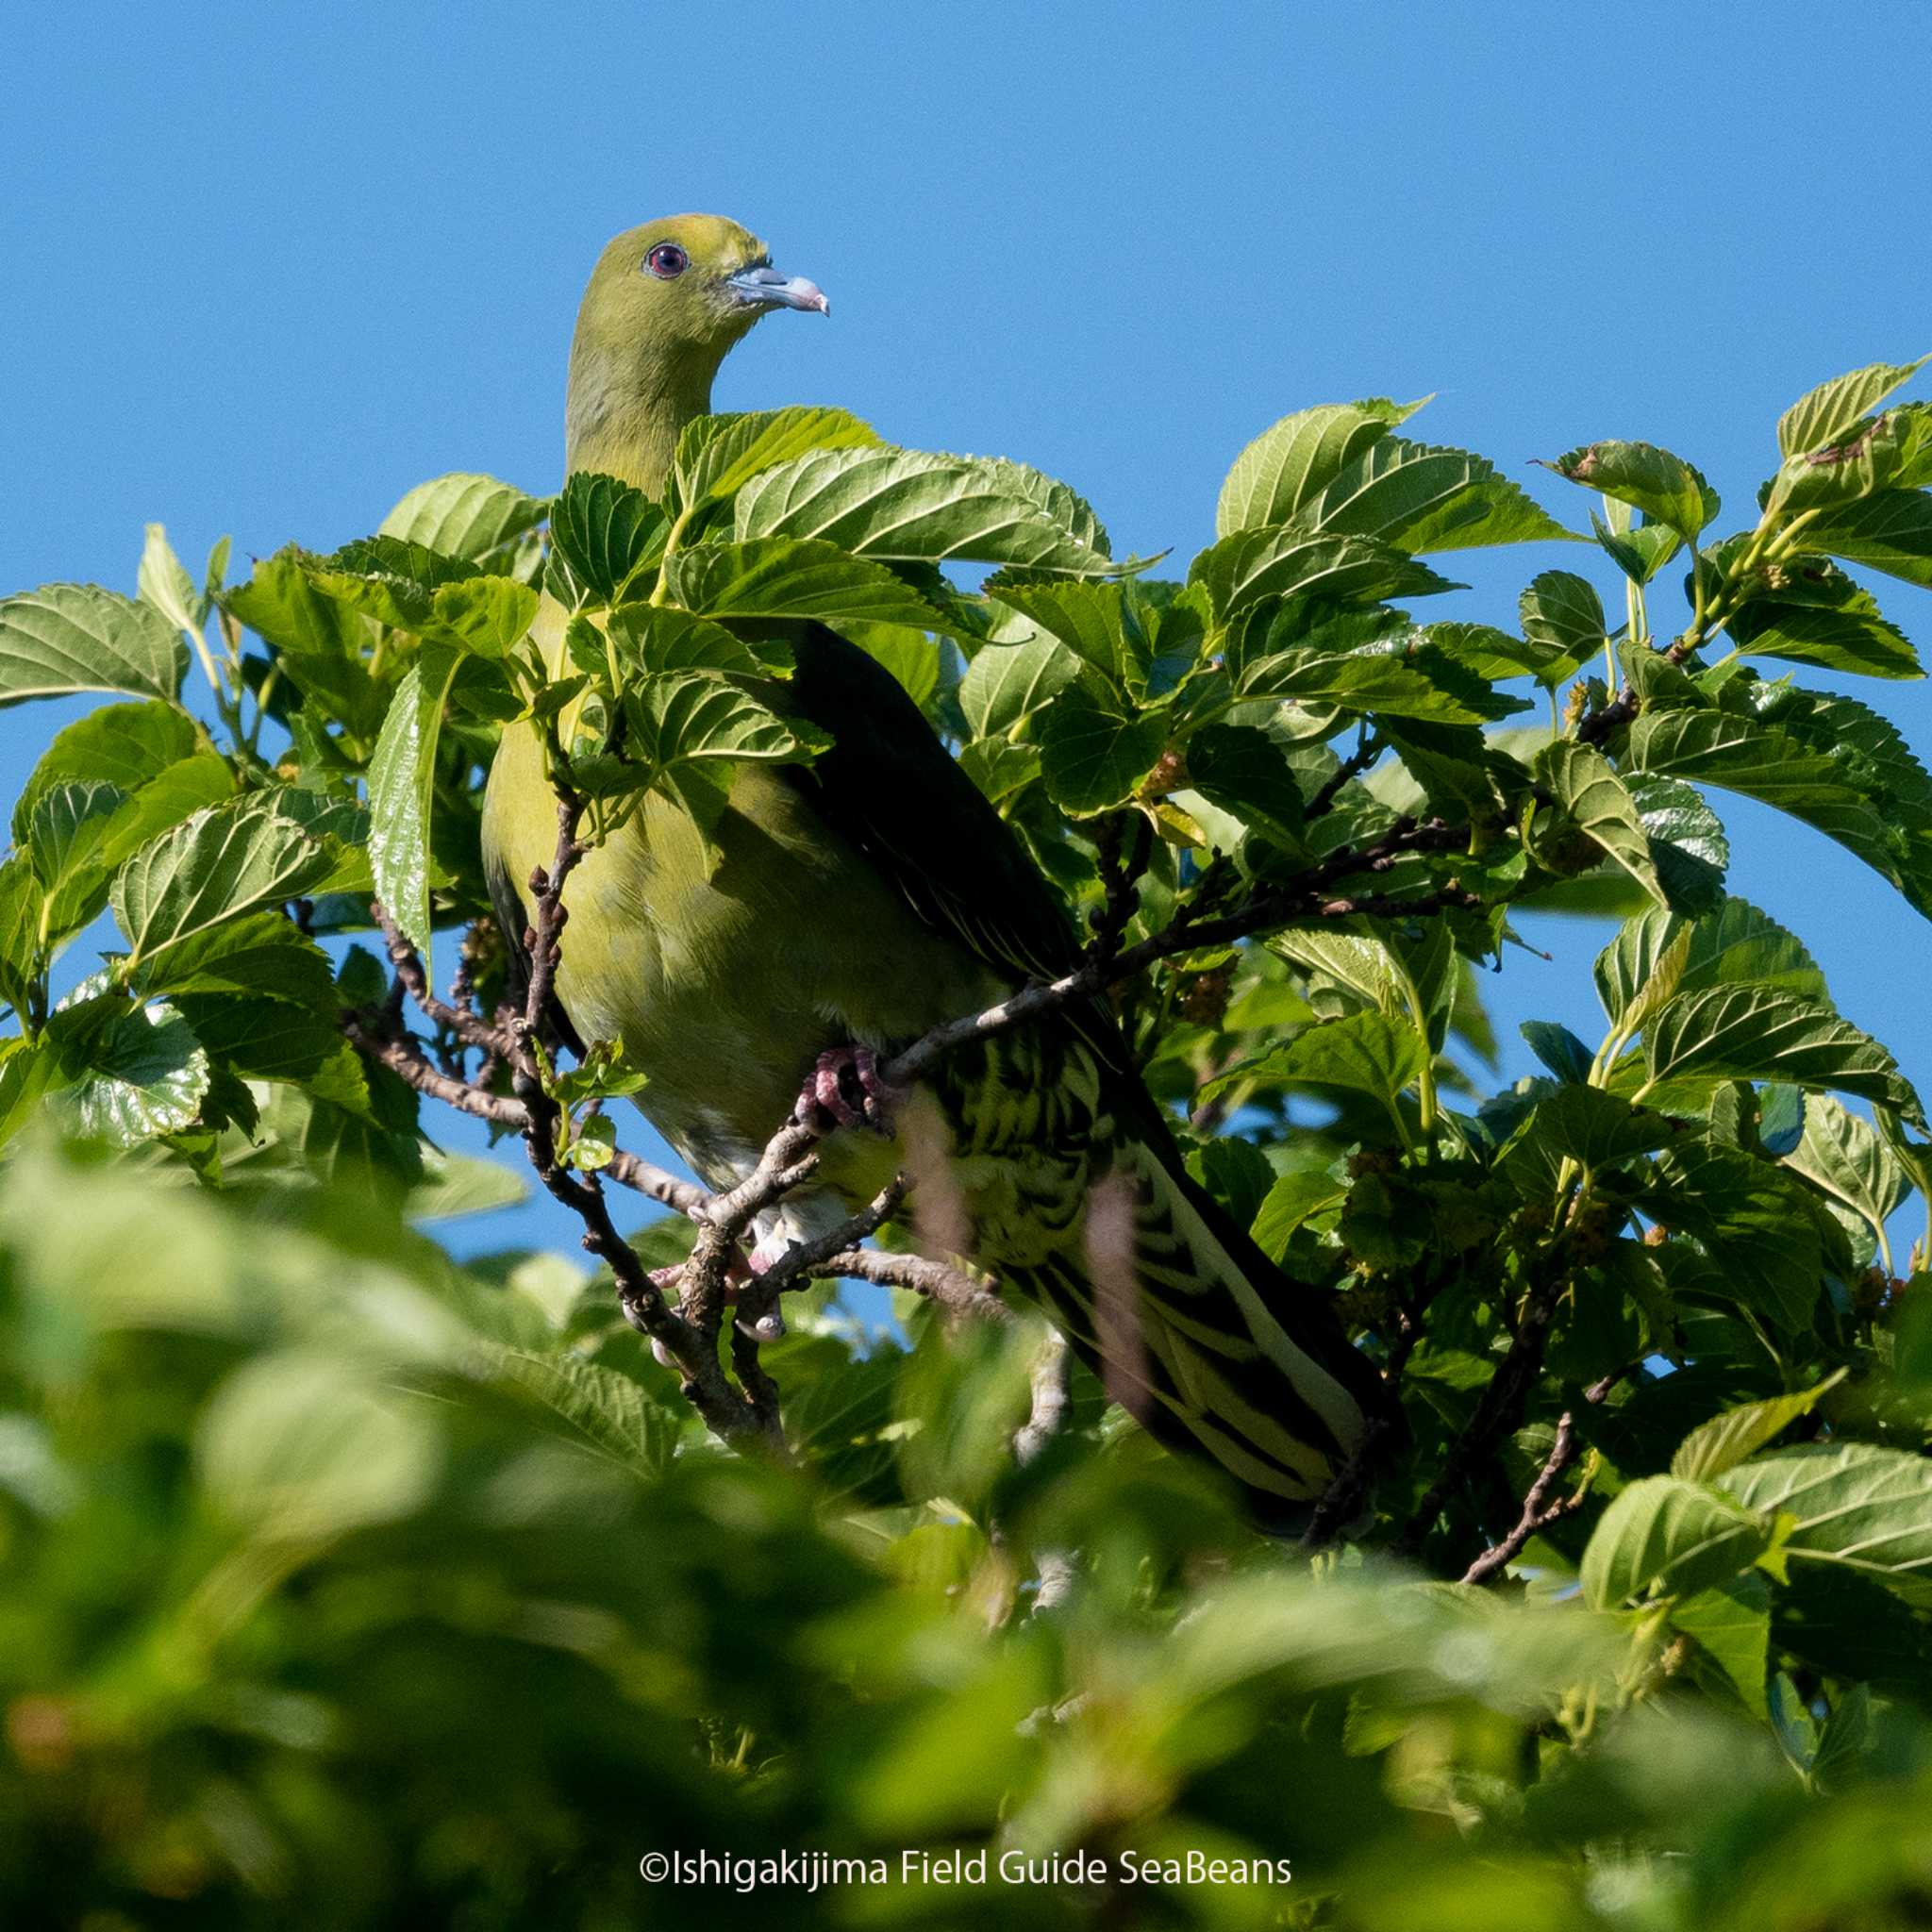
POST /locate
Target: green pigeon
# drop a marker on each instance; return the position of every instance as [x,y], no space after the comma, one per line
[849,906]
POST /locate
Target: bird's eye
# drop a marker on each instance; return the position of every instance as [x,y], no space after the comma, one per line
[667,260]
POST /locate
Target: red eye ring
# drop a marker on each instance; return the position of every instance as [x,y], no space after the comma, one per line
[667,261]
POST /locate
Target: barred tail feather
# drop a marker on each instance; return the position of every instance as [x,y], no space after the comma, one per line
[1204,1340]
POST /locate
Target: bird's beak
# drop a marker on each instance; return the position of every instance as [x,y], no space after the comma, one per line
[767,287]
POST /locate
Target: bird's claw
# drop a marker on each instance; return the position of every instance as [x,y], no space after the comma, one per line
[844,1089]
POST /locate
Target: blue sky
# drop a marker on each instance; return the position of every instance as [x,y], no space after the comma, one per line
[266,267]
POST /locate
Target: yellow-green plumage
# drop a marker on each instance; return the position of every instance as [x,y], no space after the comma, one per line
[863,900]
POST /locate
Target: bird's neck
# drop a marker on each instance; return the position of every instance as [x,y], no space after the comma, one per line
[626,411]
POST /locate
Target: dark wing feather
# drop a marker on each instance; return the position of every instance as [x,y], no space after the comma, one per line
[892,789]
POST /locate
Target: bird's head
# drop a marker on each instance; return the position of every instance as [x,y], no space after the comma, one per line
[666,302]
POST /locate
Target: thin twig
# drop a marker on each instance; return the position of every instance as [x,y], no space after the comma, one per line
[403,1053]
[730,1412]
[1367,750]
[1302,897]
[467,1025]
[1050,1382]
[802,1256]
[952,1288]
[1539,1513]
[1498,1411]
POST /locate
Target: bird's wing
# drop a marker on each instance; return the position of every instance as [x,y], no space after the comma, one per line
[890,787]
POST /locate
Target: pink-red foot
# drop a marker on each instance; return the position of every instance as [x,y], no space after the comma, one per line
[844,1090]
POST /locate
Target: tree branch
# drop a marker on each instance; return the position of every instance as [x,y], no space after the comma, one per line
[1538,1510]
[1497,1412]
[468,1026]
[1367,750]
[1302,896]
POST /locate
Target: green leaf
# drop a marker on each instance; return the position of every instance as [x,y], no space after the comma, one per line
[118,744]
[26,1068]
[912,657]
[1736,944]
[648,638]
[1874,455]
[1005,684]
[1395,676]
[1000,768]
[914,506]
[1298,457]
[1856,1506]
[1638,552]
[1688,843]
[77,834]
[78,637]
[385,577]
[1093,753]
[1733,1624]
[1356,958]
[1717,1446]
[1665,488]
[258,953]
[486,615]
[264,1037]
[1587,788]
[442,598]
[321,641]
[1666,1536]
[1244,772]
[1298,1194]
[1844,1158]
[1562,618]
[687,715]
[1558,1048]
[1890,530]
[1772,765]
[718,455]
[600,1408]
[1753,1033]
[65,831]
[1362,1052]
[1493,654]
[402,786]
[1821,415]
[1851,1626]
[455,1184]
[1287,561]
[214,866]
[1422,498]
[1820,616]
[464,515]
[1594,1129]
[1748,1214]
[686,729]
[604,534]
[788,576]
[301,1447]
[1059,503]
[163,583]
[138,1073]
[1111,627]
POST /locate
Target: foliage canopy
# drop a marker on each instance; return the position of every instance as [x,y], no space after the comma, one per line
[348,1584]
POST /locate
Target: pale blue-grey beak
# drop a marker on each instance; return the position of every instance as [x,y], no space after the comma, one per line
[771,289]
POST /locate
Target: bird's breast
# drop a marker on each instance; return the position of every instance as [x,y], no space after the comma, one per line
[723,972]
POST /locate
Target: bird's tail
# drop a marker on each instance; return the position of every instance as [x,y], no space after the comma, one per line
[1203,1340]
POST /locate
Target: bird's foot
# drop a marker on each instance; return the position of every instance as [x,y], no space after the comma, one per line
[739,1273]
[845,1089]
